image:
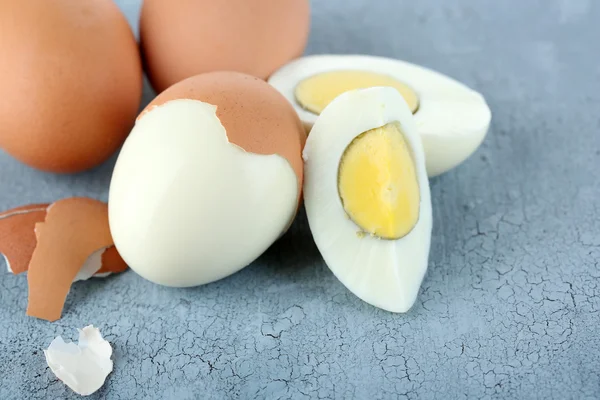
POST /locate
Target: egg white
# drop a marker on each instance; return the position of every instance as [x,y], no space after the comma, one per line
[188,207]
[452,119]
[384,273]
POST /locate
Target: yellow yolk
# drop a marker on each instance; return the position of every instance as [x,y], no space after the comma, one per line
[378,184]
[316,92]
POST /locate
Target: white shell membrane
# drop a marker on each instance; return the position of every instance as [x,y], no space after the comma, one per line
[83,366]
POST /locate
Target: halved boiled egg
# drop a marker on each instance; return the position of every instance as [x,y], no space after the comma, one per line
[367,196]
[451,118]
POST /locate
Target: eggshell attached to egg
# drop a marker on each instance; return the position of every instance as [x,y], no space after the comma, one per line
[71,82]
[208,179]
[190,37]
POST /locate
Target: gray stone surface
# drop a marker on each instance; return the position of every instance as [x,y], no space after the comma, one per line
[510,305]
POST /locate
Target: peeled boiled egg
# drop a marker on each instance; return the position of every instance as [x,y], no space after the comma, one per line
[196,36]
[367,196]
[208,179]
[71,79]
[451,118]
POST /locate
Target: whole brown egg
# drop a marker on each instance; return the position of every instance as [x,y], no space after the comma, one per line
[71,81]
[188,37]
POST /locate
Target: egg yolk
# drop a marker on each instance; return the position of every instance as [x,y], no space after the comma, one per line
[378,184]
[315,93]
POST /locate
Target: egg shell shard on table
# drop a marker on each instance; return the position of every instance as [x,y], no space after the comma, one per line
[18,241]
[92,266]
[83,367]
[17,236]
[111,263]
[100,264]
[209,178]
[73,229]
[384,273]
[452,119]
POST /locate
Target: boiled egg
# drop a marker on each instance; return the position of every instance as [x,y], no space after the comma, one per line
[367,196]
[255,37]
[208,179]
[451,118]
[71,79]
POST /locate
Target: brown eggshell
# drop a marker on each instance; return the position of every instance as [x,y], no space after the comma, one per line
[18,241]
[74,229]
[71,82]
[112,262]
[255,37]
[255,116]
[17,236]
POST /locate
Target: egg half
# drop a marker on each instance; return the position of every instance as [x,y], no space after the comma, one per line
[451,118]
[367,196]
[209,178]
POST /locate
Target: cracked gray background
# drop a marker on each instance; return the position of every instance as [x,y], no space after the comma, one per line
[509,307]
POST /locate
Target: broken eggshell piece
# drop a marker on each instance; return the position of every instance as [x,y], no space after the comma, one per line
[451,118]
[111,263]
[101,264]
[17,236]
[83,367]
[209,178]
[18,241]
[73,229]
[367,196]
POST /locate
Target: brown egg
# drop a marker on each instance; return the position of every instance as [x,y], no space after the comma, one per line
[71,82]
[208,179]
[188,37]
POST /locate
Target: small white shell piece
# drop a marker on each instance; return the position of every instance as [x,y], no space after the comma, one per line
[83,367]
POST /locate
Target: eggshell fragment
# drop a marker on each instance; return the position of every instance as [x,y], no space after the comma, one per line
[74,229]
[18,241]
[83,367]
[17,236]
[112,263]
[101,264]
